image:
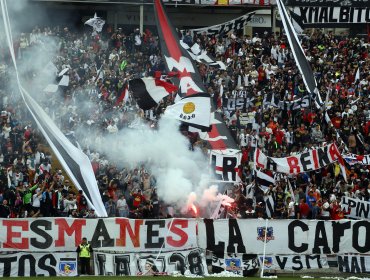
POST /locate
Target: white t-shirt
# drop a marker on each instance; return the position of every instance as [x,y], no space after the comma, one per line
[36,200]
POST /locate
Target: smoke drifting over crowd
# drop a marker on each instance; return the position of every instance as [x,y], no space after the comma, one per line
[182,175]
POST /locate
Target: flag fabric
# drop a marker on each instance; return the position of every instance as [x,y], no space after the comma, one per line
[249,191]
[96,23]
[148,92]
[357,77]
[123,97]
[264,180]
[176,57]
[123,65]
[193,110]
[74,161]
[202,56]
[299,56]
[63,72]
[270,206]
[64,82]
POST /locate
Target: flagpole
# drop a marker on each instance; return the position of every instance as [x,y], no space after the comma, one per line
[264,250]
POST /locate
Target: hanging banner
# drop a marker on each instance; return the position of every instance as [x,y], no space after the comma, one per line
[327,3]
[241,103]
[354,264]
[64,234]
[308,161]
[294,262]
[226,164]
[287,237]
[226,27]
[38,264]
[334,16]
[358,209]
[145,264]
[271,100]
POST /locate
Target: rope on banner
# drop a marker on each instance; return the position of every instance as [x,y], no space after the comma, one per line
[168,231]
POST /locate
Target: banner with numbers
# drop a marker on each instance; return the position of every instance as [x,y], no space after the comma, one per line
[150,264]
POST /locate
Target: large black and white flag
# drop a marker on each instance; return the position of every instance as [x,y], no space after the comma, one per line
[270,205]
[148,92]
[202,56]
[299,56]
[74,161]
[263,180]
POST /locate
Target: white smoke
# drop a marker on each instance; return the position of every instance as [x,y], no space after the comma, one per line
[178,170]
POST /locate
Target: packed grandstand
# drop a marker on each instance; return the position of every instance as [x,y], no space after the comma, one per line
[259,93]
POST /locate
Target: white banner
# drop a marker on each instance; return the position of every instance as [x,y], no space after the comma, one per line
[38,264]
[64,234]
[226,27]
[226,164]
[146,264]
[307,161]
[354,264]
[285,236]
[294,262]
[357,208]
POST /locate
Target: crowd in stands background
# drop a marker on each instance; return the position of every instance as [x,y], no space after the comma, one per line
[101,65]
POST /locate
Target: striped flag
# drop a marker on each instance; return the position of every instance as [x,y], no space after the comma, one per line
[299,56]
[270,206]
[148,92]
[263,180]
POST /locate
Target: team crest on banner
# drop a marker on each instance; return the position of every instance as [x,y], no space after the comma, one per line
[233,265]
[268,262]
[67,266]
[261,233]
[187,111]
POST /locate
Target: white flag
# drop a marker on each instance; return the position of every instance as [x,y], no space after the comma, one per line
[96,22]
[194,109]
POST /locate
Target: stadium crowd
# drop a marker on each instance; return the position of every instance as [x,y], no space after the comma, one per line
[100,67]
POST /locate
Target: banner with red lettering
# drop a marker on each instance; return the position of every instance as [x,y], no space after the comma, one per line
[119,234]
[148,264]
[303,162]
